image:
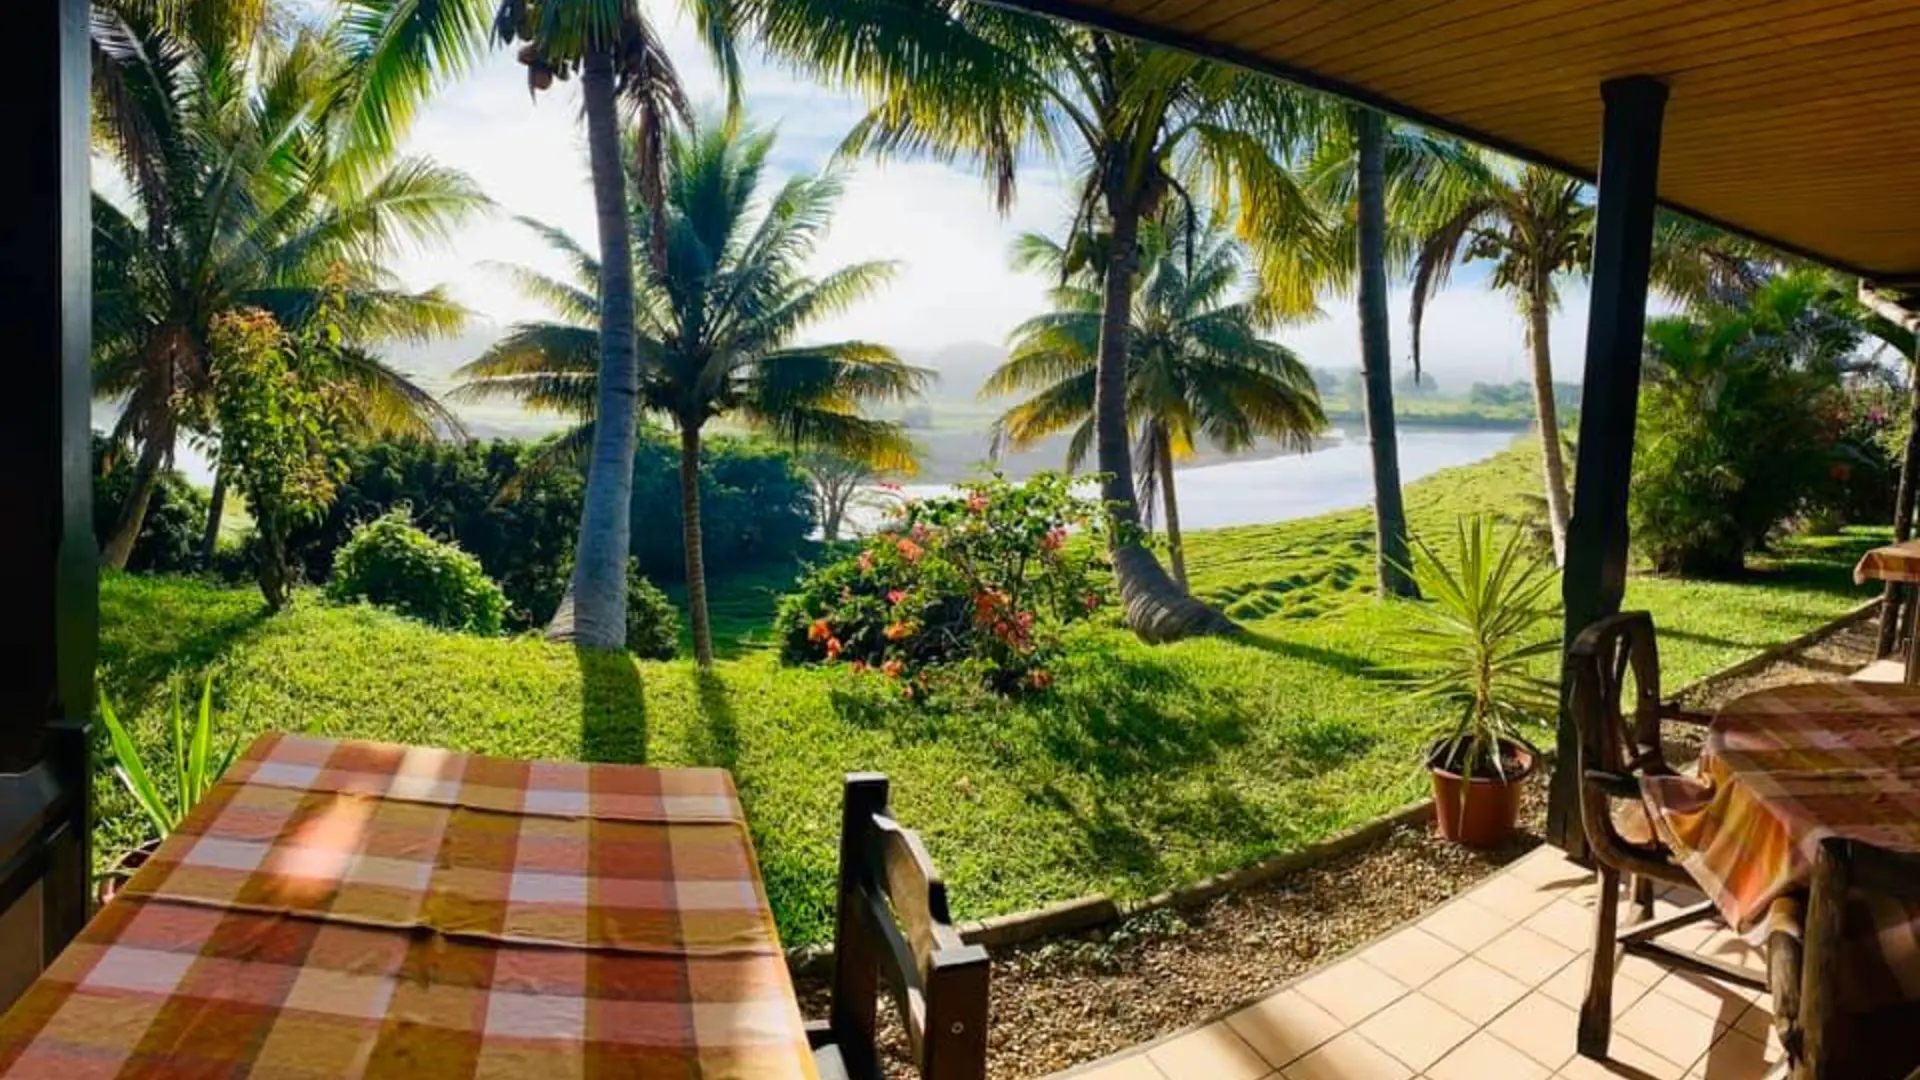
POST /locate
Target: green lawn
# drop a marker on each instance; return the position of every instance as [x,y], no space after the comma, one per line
[1144,768]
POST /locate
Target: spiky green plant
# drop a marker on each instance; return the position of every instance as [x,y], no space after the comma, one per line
[194,769]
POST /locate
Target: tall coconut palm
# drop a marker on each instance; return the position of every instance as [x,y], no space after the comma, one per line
[1535,226]
[1197,366]
[965,81]
[236,199]
[1373,177]
[716,327]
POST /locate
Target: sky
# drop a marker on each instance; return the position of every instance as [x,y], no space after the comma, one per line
[936,221]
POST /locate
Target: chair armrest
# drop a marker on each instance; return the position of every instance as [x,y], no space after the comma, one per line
[1618,785]
[1671,710]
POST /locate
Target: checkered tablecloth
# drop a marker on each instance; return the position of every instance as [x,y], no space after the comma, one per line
[1895,562]
[341,909]
[1782,770]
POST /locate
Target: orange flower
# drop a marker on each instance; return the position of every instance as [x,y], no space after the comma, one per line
[819,631]
[833,649]
[1040,678]
[859,667]
[893,668]
[898,631]
[910,551]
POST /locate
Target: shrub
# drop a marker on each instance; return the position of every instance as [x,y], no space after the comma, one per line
[169,540]
[391,563]
[1739,424]
[653,623]
[758,509]
[983,580]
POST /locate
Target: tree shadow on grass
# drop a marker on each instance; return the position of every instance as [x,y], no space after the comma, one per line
[716,742]
[1345,663]
[134,680]
[1123,837]
[613,706]
[1111,719]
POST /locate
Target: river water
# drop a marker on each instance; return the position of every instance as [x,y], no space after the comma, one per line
[1259,491]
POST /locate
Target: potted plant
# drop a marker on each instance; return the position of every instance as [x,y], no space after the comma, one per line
[1473,650]
[193,773]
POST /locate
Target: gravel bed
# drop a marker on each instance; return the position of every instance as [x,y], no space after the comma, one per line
[1065,1002]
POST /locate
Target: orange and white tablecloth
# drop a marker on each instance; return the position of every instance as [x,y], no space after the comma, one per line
[337,909]
[1782,770]
[1895,562]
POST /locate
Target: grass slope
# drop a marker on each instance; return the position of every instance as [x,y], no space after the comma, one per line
[1145,767]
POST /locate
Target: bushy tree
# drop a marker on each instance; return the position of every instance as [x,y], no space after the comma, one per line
[391,563]
[169,534]
[1740,422]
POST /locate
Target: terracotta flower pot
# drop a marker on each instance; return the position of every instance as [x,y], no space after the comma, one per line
[1480,811]
[122,868]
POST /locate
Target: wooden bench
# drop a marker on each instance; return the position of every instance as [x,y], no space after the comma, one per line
[894,923]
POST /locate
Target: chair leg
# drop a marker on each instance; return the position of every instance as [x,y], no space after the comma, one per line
[1596,1012]
[1642,890]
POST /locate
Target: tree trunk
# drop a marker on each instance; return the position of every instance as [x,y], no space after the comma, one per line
[1553,463]
[1903,506]
[271,569]
[133,513]
[1170,506]
[593,611]
[691,540]
[216,506]
[1376,363]
[1156,607]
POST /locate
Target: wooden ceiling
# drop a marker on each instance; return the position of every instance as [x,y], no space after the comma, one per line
[1795,121]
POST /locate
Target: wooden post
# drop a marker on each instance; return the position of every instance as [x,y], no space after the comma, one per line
[48,564]
[856,962]
[956,1035]
[1595,577]
[1820,979]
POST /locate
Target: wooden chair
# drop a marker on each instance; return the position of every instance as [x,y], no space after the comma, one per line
[893,922]
[1619,744]
[1844,870]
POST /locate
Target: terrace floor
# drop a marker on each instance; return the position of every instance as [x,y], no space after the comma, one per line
[1488,986]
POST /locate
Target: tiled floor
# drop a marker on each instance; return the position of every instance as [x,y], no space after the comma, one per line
[1486,988]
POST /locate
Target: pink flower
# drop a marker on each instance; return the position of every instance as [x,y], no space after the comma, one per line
[920,531]
[833,649]
[888,485]
[1092,601]
[866,562]
[894,596]
[1055,539]
[976,503]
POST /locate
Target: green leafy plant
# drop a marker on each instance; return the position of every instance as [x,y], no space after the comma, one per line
[391,563]
[982,580]
[194,770]
[653,623]
[1472,649]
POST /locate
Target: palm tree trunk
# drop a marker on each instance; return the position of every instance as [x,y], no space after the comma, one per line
[1553,463]
[1176,549]
[691,539]
[216,506]
[1376,362]
[1157,608]
[133,513]
[593,611]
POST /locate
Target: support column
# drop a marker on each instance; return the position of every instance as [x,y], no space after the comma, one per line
[1595,577]
[48,564]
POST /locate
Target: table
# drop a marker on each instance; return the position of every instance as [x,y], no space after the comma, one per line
[337,908]
[1897,564]
[1783,769]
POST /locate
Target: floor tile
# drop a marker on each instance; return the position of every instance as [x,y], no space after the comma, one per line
[1416,1030]
[1352,990]
[1564,922]
[1214,1052]
[1736,1057]
[1412,956]
[1525,955]
[1465,925]
[1680,1035]
[1484,1057]
[1475,991]
[1135,1067]
[1541,1028]
[1349,1057]
[1284,1026]
[1513,897]
[1626,1060]
[1726,946]
[1548,866]
[1715,998]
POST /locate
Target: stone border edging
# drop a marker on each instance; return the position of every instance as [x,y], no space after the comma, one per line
[1098,909]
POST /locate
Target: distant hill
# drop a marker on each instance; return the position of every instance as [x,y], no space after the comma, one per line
[963,367]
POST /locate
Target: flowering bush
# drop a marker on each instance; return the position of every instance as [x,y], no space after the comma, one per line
[981,580]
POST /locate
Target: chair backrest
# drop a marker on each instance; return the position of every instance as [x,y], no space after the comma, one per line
[1619,740]
[894,924]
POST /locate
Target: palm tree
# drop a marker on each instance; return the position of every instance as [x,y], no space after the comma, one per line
[963,80]
[1373,176]
[239,198]
[1197,366]
[716,328]
[1535,226]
